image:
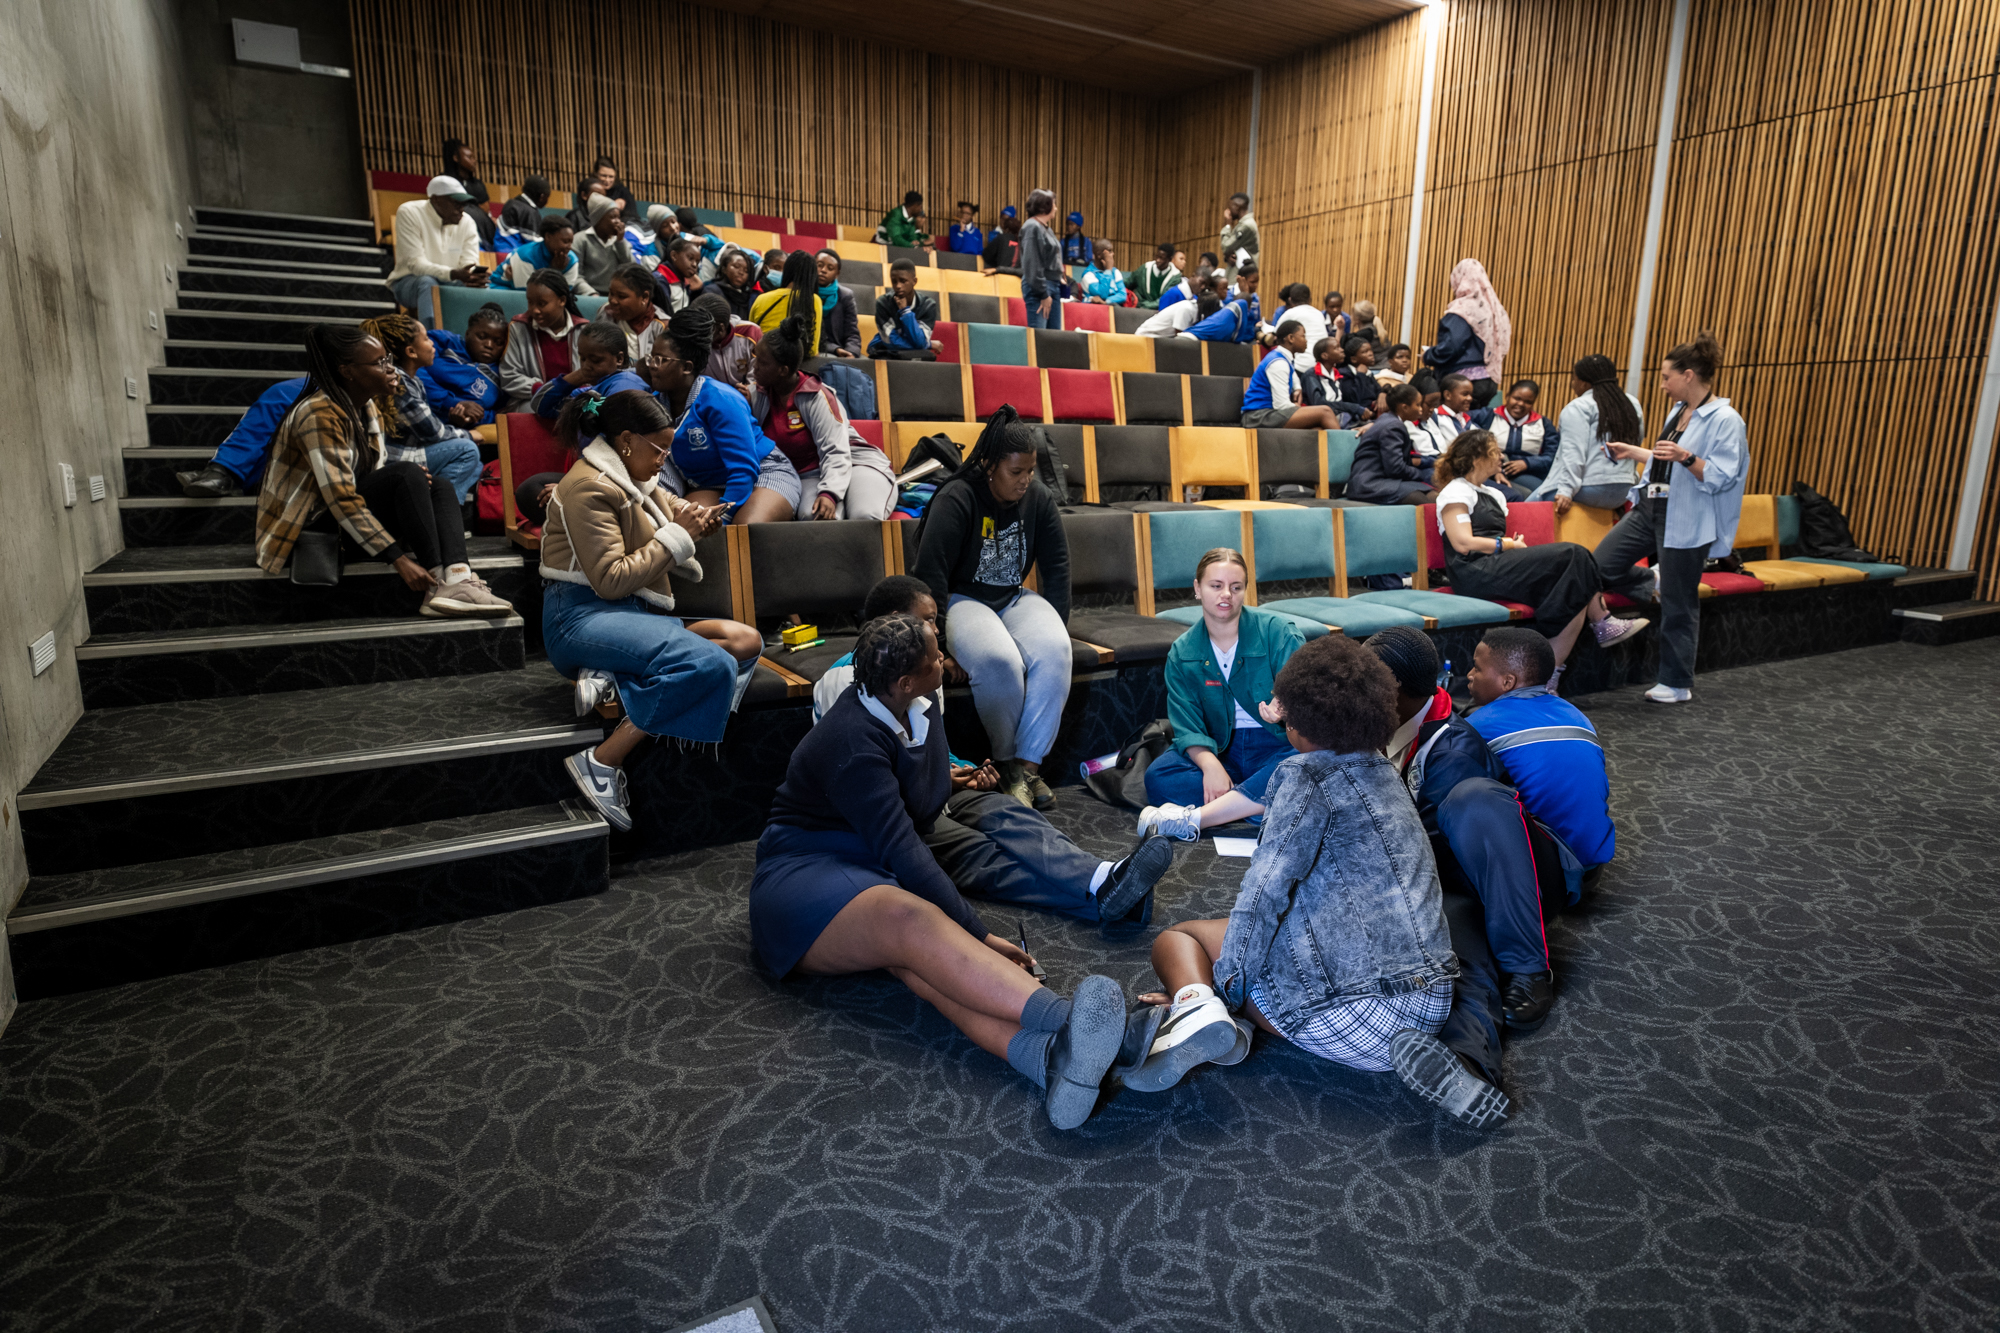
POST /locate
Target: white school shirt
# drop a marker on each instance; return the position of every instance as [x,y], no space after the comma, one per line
[1171,321]
[1459,491]
[1314,324]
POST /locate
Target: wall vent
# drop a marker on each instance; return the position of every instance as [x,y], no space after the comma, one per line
[42,652]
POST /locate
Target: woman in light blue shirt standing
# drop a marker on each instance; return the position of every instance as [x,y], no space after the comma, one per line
[1683,512]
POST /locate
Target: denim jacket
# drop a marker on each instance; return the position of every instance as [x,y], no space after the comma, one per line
[1341,901]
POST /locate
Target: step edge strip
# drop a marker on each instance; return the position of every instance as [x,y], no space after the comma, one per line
[220,370]
[302,633]
[187,502]
[578,826]
[1941,617]
[220,345]
[142,452]
[188,313]
[252,573]
[545,738]
[199,209]
[246,236]
[196,409]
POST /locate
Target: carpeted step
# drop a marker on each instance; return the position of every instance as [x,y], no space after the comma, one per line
[208,775]
[279,282]
[241,326]
[190,426]
[194,354]
[175,520]
[1948,622]
[1928,587]
[287,250]
[348,231]
[150,471]
[161,666]
[91,928]
[210,386]
[320,309]
[187,589]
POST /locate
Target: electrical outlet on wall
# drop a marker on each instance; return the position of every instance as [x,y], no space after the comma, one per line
[131,387]
[167,272]
[68,485]
[152,319]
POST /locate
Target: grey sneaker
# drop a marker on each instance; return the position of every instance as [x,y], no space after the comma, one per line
[467,597]
[1083,1052]
[1612,630]
[592,689]
[603,786]
[1198,1030]
[1435,1073]
[1175,821]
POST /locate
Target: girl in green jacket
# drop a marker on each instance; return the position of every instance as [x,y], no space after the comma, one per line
[1229,732]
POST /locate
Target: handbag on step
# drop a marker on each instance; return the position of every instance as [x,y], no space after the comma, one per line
[316,560]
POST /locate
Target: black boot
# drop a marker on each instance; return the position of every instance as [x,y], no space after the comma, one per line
[212,482]
[1525,998]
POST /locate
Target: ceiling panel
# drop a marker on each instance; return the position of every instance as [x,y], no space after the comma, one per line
[1150,48]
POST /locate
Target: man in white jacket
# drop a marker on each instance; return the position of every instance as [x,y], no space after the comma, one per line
[437,243]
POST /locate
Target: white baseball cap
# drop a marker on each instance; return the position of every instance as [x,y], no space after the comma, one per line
[448,187]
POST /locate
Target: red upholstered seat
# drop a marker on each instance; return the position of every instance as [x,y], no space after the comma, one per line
[401,182]
[824,231]
[949,340]
[530,447]
[1015,309]
[1536,522]
[764,222]
[1019,385]
[1618,601]
[1726,585]
[812,245]
[1082,396]
[871,431]
[1087,318]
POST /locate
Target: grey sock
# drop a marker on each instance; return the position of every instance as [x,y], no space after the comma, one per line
[1028,1052]
[1045,1011]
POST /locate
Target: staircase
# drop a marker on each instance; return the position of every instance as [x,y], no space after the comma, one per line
[261,767]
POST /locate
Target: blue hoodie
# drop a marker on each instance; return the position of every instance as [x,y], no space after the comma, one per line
[456,378]
[1236,322]
[716,444]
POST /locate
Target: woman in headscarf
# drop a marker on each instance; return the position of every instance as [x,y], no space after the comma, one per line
[1473,333]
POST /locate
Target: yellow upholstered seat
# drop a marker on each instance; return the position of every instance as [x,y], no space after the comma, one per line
[1121,351]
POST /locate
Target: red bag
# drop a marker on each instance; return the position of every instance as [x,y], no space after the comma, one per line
[486,493]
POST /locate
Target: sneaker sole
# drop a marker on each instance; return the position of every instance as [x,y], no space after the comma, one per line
[446,607]
[617,818]
[1652,700]
[1139,879]
[1637,628]
[1096,1029]
[1203,1046]
[1430,1070]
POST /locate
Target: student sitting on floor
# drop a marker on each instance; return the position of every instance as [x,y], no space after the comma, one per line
[1272,398]
[1528,439]
[845,884]
[735,342]
[904,226]
[1152,278]
[1546,744]
[1487,869]
[841,475]
[541,341]
[1103,284]
[988,524]
[840,326]
[411,432]
[904,318]
[734,282]
[462,384]
[800,293]
[554,251]
[966,236]
[521,217]
[1227,737]
[602,250]
[990,844]
[1337,941]
[613,539]
[239,460]
[327,475]
[629,303]
[719,455]
[1383,471]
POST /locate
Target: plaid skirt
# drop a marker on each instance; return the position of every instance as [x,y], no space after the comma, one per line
[1358,1034]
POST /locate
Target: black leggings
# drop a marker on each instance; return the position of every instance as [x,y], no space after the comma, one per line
[422,515]
[528,496]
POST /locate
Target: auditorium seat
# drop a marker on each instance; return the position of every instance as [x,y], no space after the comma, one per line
[526,446]
[1787,507]
[1178,356]
[972,308]
[920,391]
[1073,445]
[1239,359]
[451,307]
[1757,530]
[926,270]
[902,436]
[951,259]
[820,572]
[1176,542]
[1124,320]
[748,238]
[994,386]
[949,339]
[1215,400]
[1062,350]
[997,345]
[956,280]
[1081,396]
[1015,310]
[757,221]
[863,250]
[1216,456]
[1119,352]
[1386,539]
[871,431]
[819,231]
[1104,560]
[1153,399]
[862,273]
[812,245]
[1136,456]
[1087,318]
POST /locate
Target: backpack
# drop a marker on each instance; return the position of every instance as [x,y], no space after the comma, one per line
[1823,528]
[1124,781]
[855,389]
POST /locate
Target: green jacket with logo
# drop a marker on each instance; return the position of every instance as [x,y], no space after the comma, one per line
[1201,704]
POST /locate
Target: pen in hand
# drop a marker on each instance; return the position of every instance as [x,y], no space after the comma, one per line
[1034,968]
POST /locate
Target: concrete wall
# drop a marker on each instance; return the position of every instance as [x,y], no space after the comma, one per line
[94,176]
[266,138]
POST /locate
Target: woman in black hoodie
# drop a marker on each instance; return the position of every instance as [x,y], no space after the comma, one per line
[983,531]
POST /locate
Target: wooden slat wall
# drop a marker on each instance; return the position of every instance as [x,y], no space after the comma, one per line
[1202,157]
[699,106]
[1832,217]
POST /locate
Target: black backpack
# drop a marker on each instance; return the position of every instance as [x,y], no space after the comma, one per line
[1823,528]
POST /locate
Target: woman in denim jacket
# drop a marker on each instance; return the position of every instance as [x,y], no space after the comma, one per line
[1337,942]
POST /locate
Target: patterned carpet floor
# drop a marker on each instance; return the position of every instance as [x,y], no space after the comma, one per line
[1763,1101]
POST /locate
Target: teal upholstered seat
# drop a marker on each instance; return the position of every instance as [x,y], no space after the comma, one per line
[1448,609]
[1871,569]
[1357,619]
[996,345]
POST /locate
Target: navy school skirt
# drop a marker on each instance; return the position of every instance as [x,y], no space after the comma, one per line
[803,879]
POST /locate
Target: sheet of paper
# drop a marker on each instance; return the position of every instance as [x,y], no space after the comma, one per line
[1235,846]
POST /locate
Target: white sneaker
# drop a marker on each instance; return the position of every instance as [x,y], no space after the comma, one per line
[1197,1030]
[603,786]
[1612,630]
[1667,694]
[592,689]
[468,597]
[1175,821]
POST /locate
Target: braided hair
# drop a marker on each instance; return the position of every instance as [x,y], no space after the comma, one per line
[1411,658]
[692,332]
[395,333]
[890,648]
[801,278]
[328,348]
[1616,418]
[1003,437]
[588,415]
[556,285]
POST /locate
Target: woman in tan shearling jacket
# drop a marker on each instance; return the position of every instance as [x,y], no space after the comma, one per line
[613,541]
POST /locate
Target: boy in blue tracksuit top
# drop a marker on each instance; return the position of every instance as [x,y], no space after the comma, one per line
[966,238]
[1271,400]
[1548,747]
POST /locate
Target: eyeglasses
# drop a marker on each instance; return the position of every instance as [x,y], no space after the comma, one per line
[385,363]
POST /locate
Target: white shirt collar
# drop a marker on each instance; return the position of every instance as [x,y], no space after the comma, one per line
[920,725]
